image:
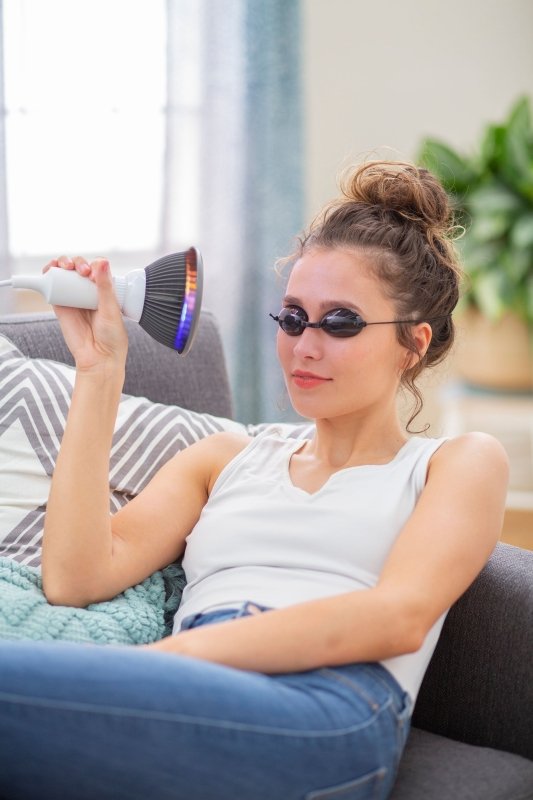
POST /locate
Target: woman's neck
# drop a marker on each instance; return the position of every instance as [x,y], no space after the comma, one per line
[343,442]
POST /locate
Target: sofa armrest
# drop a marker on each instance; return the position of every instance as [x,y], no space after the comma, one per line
[479,685]
[198,381]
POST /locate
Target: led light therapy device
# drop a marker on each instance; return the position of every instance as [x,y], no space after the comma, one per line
[164,298]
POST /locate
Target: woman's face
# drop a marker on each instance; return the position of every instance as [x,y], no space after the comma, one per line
[330,377]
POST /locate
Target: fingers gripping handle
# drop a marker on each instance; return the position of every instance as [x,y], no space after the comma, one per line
[62,287]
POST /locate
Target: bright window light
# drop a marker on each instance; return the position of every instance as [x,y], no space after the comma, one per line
[85,91]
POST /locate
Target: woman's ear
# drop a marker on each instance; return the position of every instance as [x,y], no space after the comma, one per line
[422,334]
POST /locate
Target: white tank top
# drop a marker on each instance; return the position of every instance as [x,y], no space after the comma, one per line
[261,538]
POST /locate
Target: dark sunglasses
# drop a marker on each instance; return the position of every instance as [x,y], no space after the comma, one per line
[340,322]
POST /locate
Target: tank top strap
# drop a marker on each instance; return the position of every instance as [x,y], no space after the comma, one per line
[266,455]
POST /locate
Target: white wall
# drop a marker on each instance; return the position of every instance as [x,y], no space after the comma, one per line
[384,73]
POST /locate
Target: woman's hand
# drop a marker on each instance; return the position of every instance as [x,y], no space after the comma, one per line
[96,339]
[175,645]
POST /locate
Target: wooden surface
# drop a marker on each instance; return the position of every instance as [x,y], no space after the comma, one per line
[518,528]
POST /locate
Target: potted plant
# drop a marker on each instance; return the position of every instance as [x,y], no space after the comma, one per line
[492,193]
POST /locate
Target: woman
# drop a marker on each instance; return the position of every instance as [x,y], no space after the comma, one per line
[331,562]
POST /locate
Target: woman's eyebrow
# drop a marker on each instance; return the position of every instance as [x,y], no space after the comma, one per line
[324,305]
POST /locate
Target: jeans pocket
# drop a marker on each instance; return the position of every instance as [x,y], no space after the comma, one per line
[367,787]
[403,726]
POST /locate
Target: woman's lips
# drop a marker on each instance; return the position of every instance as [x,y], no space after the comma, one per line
[308,380]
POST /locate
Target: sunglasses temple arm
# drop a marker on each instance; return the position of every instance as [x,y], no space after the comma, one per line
[408,321]
[394,322]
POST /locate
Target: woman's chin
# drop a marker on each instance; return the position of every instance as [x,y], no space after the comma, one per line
[308,407]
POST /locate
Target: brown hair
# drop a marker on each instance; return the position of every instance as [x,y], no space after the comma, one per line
[399,216]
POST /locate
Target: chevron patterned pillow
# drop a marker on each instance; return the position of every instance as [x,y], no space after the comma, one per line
[34,400]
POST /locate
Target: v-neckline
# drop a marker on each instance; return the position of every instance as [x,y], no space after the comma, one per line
[343,470]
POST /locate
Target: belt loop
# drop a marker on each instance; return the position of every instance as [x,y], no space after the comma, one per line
[243,610]
[188,622]
[249,608]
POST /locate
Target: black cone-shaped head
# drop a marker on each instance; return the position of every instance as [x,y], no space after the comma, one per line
[173,299]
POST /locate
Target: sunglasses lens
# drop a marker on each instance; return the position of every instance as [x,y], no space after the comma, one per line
[342,323]
[291,321]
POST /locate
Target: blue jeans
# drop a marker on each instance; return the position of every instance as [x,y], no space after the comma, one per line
[85,722]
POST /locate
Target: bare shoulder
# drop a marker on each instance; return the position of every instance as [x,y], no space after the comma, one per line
[472,448]
[226,444]
[476,451]
[217,450]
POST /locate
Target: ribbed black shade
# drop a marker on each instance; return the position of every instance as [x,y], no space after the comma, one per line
[173,299]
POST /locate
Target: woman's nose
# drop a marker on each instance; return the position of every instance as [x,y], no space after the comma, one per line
[309,344]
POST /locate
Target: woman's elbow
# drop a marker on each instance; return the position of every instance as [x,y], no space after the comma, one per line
[414,638]
[406,637]
[62,598]
[407,630]
[59,592]
[57,596]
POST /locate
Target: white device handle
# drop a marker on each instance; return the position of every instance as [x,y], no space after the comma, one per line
[61,287]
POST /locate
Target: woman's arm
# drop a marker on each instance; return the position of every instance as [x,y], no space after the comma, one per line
[77,523]
[440,551]
[89,555]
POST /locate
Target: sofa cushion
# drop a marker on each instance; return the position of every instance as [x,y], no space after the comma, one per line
[478,687]
[34,400]
[198,381]
[435,767]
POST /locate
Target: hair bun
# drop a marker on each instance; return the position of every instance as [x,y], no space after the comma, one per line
[412,192]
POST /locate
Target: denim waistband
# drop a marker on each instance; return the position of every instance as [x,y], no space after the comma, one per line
[246,609]
[378,673]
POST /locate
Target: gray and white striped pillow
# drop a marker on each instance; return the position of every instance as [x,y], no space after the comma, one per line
[34,399]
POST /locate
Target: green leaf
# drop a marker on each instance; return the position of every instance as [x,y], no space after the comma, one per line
[516,162]
[517,263]
[491,149]
[519,120]
[494,198]
[479,256]
[517,165]
[492,191]
[529,300]
[454,171]
[490,226]
[488,294]
[522,232]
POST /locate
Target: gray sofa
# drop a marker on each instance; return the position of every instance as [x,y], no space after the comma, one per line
[472,734]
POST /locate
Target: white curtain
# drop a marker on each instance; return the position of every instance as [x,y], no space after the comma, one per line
[249,197]
[231,168]
[4,245]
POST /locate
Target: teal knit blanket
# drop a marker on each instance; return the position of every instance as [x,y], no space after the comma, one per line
[139,615]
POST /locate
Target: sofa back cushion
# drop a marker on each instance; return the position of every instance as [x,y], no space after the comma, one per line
[198,381]
[34,399]
[479,684]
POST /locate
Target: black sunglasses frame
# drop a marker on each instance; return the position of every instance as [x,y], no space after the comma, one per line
[333,323]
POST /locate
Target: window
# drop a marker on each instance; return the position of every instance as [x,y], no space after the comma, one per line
[86,130]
